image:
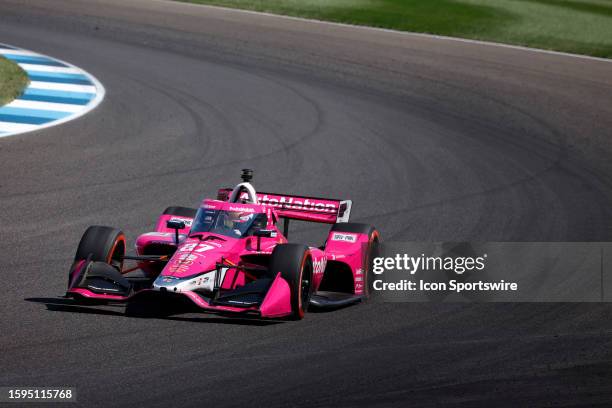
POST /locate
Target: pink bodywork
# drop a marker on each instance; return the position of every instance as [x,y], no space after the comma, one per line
[194,256]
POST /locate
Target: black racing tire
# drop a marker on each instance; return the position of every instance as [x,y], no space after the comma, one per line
[181,211]
[104,244]
[370,253]
[294,263]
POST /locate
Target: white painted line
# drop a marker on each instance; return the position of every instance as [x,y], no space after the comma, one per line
[58,107]
[16,127]
[388,30]
[54,86]
[48,68]
[17,52]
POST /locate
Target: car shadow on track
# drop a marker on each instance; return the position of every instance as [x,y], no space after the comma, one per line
[68,305]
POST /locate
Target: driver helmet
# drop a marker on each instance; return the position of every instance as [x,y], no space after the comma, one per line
[236,221]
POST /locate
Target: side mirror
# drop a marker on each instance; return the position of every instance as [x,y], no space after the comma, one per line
[176,225]
[264,233]
[259,233]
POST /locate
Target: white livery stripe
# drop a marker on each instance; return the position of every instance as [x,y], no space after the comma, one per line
[62,87]
[48,68]
[57,107]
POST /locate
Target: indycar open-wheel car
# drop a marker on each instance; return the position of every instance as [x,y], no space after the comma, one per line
[230,256]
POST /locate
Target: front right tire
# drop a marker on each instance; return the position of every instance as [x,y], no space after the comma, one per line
[104,244]
[98,244]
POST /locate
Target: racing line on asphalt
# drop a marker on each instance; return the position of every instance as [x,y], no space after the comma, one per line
[57,92]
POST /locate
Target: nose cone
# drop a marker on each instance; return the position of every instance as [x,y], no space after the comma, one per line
[195,256]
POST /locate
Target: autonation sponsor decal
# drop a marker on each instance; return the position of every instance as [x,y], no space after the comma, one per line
[493,271]
[296,203]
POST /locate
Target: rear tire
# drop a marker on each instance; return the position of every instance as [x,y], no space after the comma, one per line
[104,244]
[295,265]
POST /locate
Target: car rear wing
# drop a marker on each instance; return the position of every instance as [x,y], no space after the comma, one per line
[313,209]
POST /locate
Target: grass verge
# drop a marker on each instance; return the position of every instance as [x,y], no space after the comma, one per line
[13,80]
[576,26]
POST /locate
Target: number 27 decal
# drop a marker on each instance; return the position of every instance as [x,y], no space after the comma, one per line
[200,248]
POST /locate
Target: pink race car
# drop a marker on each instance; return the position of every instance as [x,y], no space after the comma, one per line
[230,257]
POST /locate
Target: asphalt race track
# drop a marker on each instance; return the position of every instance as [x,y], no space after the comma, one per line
[432,139]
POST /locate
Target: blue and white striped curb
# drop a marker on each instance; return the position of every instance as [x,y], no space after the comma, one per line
[57,92]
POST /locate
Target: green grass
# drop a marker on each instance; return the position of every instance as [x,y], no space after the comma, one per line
[12,81]
[576,26]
